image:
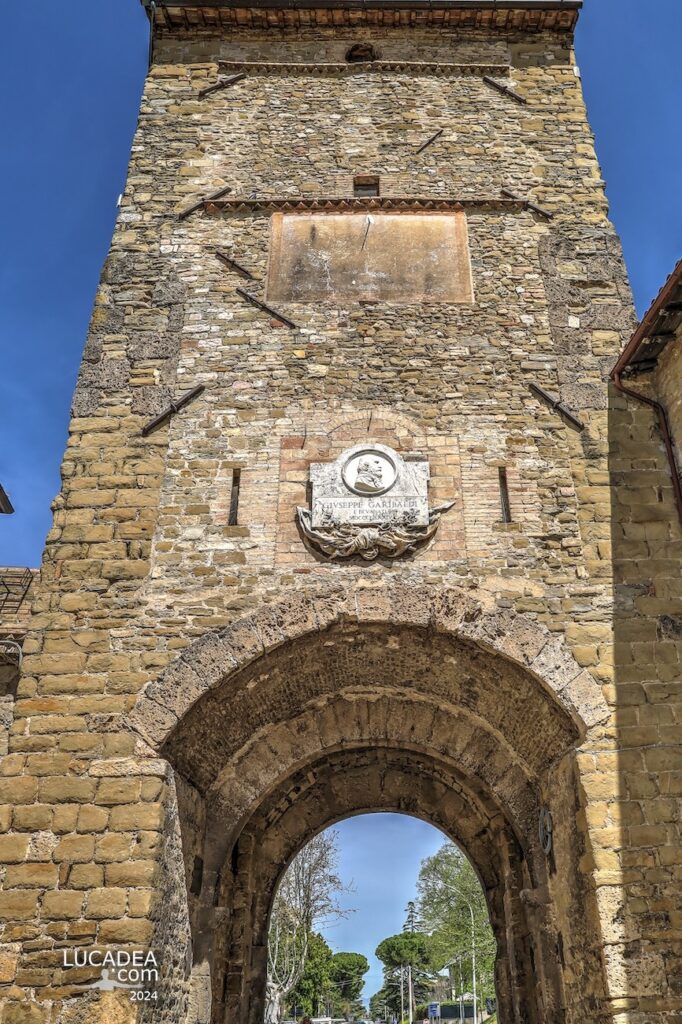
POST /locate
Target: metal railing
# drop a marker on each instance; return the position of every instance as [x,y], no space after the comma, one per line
[14,586]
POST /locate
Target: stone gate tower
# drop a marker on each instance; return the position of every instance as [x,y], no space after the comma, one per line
[338,526]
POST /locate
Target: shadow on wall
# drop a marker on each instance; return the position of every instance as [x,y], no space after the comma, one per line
[639,872]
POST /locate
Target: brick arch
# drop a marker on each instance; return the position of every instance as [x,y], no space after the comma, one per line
[516,639]
[385,425]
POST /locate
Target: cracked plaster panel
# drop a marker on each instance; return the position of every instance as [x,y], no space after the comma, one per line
[381,256]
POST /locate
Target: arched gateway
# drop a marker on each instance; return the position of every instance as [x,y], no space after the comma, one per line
[408,699]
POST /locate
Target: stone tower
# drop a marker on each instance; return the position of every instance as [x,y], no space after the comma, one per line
[364,561]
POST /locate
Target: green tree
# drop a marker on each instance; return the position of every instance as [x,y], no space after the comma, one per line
[315,987]
[447,888]
[379,1006]
[405,948]
[398,953]
[347,973]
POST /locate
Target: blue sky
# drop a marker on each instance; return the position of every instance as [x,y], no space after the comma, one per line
[71,76]
[380,854]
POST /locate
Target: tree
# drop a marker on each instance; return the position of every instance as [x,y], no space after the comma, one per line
[347,973]
[379,1005]
[447,887]
[315,988]
[398,953]
[307,896]
[403,949]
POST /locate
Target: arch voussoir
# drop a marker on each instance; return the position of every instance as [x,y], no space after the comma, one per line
[212,659]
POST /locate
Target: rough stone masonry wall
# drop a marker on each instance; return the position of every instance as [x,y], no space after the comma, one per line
[667,387]
[141,560]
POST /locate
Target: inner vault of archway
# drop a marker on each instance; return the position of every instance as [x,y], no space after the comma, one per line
[440,673]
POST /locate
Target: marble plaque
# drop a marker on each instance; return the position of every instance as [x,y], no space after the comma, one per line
[371,502]
[370,485]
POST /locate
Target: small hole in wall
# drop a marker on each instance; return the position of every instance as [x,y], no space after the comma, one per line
[234,498]
[359,53]
[365,185]
[504,495]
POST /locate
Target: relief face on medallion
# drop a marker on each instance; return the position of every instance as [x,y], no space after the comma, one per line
[370,502]
[369,472]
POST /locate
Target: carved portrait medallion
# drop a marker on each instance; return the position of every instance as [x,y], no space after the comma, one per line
[370,471]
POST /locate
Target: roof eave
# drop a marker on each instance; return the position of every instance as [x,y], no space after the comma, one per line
[6,507]
[646,327]
[520,5]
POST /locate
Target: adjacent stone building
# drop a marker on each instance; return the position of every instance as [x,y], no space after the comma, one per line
[370,235]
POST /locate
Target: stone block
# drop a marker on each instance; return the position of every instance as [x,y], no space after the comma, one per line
[117,791]
[74,849]
[9,956]
[19,905]
[86,876]
[133,873]
[130,930]
[13,848]
[62,904]
[31,875]
[106,903]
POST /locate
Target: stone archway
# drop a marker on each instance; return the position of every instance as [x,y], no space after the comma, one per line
[378,699]
[356,780]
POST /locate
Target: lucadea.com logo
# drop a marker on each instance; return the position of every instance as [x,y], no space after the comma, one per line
[135,970]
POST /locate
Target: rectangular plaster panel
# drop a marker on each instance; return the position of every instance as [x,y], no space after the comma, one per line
[390,257]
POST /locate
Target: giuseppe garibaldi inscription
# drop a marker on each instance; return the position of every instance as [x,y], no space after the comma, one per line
[370,502]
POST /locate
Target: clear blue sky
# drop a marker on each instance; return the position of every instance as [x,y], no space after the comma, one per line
[380,854]
[70,80]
